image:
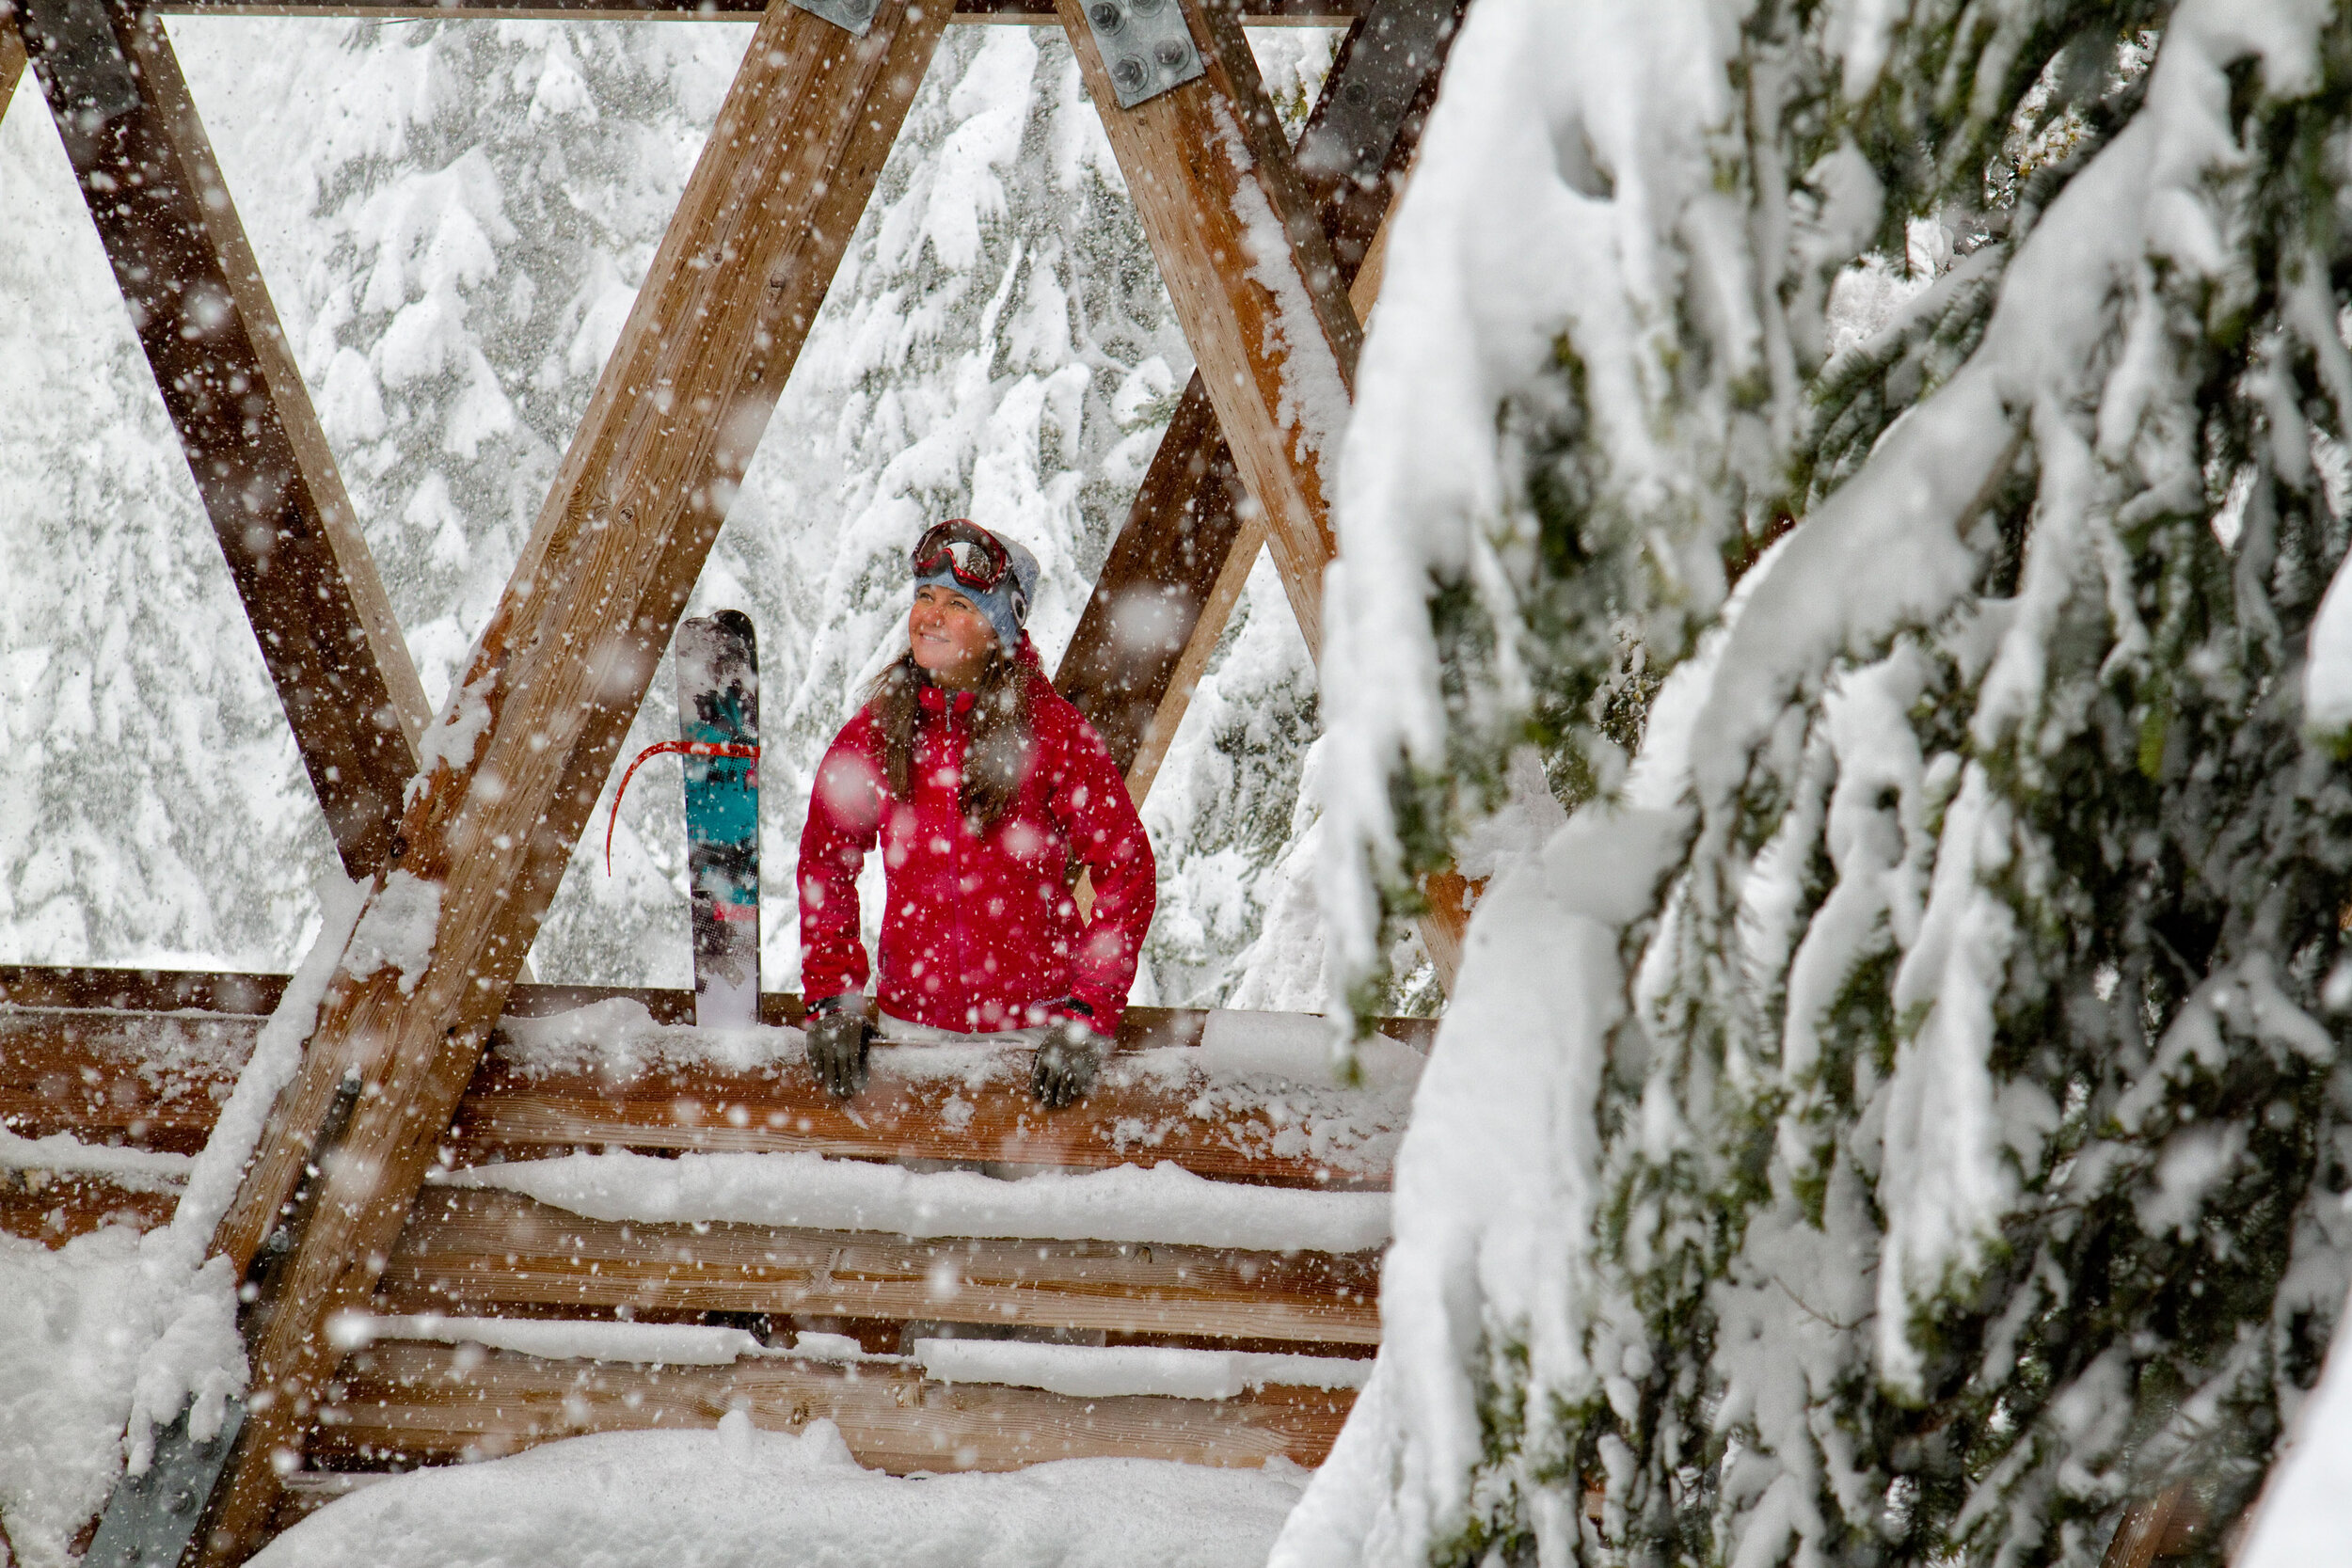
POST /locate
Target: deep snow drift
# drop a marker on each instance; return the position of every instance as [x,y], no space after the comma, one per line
[739,1496]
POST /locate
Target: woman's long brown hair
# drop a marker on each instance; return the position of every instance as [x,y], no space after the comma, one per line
[993,768]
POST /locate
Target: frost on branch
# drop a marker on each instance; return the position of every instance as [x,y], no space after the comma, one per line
[1901,1117]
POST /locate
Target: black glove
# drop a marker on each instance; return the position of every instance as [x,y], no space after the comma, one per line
[838,1037]
[1068,1060]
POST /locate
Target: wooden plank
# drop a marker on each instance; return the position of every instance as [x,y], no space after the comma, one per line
[157,1082]
[1179,565]
[405,1404]
[1135,1116]
[11,65]
[479,1253]
[52,1209]
[1251,276]
[261,464]
[1292,13]
[158,990]
[1275,336]
[558,674]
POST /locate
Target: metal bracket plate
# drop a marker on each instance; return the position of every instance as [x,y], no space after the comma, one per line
[1146,47]
[151,1519]
[1376,83]
[77,53]
[851,16]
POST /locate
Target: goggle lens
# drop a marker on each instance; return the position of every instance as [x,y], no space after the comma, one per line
[971,561]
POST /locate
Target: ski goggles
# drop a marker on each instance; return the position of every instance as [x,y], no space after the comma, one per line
[965,551]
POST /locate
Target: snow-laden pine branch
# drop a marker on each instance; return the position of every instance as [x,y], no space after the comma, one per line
[1898,1115]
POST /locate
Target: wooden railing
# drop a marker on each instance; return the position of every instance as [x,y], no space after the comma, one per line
[142,1061]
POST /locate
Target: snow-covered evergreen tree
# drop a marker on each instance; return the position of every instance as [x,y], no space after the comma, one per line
[146,750]
[1905,1115]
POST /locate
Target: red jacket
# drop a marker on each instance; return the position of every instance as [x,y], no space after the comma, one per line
[981,929]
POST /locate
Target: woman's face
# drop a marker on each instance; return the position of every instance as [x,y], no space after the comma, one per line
[949,636]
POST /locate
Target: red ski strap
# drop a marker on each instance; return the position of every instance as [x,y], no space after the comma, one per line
[685,748]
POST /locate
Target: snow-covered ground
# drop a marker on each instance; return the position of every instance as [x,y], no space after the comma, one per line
[739,1496]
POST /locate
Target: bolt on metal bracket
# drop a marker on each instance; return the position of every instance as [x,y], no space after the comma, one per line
[851,16]
[1146,46]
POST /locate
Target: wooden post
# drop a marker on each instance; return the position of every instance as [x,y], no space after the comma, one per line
[1252,278]
[513,767]
[1178,565]
[262,464]
[11,65]
[1257,287]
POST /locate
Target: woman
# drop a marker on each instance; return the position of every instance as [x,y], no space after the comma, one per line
[989,794]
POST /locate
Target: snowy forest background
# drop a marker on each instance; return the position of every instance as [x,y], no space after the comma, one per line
[453,219]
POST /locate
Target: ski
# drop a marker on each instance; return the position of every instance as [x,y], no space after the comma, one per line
[718,690]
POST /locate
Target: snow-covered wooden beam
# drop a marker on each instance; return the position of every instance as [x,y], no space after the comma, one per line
[1250,275]
[1260,294]
[443,1404]
[1300,13]
[228,377]
[11,64]
[493,1254]
[513,765]
[1177,568]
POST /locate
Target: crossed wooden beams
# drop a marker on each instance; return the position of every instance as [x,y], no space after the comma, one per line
[466,822]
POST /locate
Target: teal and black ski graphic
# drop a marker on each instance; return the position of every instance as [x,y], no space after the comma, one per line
[718,704]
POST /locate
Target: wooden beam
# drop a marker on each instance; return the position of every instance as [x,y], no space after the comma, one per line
[559,672]
[11,65]
[1291,13]
[1132,1118]
[488,1254]
[244,420]
[407,1404]
[1176,568]
[1251,276]
[1275,338]
[157,1084]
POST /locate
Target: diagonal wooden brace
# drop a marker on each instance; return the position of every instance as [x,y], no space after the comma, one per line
[1252,278]
[512,768]
[1179,563]
[1259,291]
[243,416]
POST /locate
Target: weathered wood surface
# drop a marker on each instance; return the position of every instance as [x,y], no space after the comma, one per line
[69,1080]
[405,1403]
[155,1080]
[243,416]
[479,1253]
[514,768]
[1251,276]
[11,65]
[1297,13]
[52,1209]
[1178,565]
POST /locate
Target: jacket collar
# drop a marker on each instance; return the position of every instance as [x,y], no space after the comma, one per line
[936,700]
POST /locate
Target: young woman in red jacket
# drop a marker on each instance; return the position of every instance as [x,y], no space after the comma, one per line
[988,794]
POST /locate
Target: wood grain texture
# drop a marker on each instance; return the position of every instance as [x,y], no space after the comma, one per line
[11,64]
[40,1206]
[1132,1118]
[1177,568]
[1251,276]
[478,1253]
[155,1080]
[405,1403]
[515,765]
[245,421]
[1297,13]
